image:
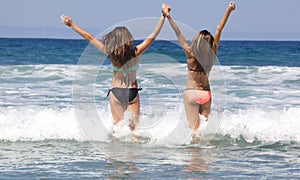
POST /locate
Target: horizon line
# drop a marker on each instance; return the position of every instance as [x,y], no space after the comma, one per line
[74,38]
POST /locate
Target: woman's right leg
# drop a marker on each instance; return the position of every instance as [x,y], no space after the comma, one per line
[134,108]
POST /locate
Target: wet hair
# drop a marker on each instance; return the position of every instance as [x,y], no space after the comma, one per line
[119,46]
[203,48]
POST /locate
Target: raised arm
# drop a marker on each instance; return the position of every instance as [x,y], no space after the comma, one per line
[91,39]
[222,23]
[181,39]
[147,42]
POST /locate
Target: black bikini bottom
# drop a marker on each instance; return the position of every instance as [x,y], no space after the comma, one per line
[124,95]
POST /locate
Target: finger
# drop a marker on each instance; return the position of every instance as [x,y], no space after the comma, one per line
[66,17]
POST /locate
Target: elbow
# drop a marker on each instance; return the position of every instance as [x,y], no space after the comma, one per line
[89,37]
[178,33]
[219,28]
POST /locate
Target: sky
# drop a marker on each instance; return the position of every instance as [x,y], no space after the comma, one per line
[252,19]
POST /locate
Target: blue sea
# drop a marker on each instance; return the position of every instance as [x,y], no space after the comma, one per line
[55,120]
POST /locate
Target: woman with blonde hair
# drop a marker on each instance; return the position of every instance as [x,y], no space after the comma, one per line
[200,55]
[125,58]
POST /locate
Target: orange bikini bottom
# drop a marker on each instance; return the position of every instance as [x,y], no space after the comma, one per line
[202,97]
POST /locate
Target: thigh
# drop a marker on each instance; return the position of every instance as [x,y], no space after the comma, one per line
[134,106]
[117,109]
[192,109]
[205,109]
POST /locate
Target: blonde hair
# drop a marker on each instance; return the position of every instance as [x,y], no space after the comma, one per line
[119,46]
[203,48]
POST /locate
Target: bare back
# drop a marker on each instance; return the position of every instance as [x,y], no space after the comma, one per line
[198,77]
[126,76]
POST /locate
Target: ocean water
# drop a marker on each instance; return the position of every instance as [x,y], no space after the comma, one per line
[55,119]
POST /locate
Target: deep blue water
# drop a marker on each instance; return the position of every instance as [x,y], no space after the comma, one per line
[233,53]
[260,53]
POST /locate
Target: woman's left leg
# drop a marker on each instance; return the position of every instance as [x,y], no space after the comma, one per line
[192,109]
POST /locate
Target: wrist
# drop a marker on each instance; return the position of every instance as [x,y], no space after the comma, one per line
[229,10]
[72,25]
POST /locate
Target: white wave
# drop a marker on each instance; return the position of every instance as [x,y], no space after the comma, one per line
[43,123]
[269,86]
[263,124]
[38,123]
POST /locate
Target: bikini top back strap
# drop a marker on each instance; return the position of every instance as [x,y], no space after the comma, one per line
[128,70]
[107,94]
[125,71]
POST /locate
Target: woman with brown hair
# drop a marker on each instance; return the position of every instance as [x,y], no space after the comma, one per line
[201,54]
[125,58]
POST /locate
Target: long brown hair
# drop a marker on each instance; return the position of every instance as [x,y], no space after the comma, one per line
[204,50]
[119,46]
